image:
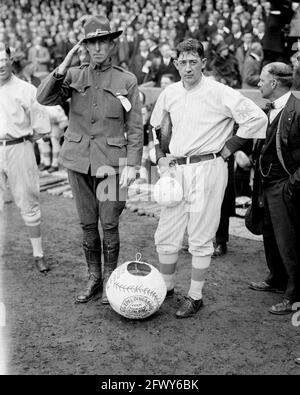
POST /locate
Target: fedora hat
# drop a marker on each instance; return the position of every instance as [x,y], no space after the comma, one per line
[98,27]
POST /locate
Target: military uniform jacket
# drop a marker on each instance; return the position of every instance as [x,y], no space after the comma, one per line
[101,132]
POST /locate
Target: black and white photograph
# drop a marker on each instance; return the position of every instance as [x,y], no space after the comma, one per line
[149,190]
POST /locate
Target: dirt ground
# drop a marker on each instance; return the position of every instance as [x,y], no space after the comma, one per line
[47,333]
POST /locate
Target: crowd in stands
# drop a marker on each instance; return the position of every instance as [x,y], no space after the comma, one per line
[239,35]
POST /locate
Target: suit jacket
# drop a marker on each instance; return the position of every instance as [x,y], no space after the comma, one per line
[287,147]
[288,141]
[274,38]
[39,57]
[127,50]
[158,69]
[136,67]
[196,34]
[241,54]
[251,72]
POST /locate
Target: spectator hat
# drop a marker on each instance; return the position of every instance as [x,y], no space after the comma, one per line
[222,45]
[98,27]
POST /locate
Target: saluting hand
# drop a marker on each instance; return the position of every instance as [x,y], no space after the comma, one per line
[71,58]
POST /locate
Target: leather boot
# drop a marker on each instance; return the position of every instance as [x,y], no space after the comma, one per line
[94,284]
[93,287]
[111,255]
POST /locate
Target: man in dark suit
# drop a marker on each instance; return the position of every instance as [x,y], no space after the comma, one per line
[128,46]
[162,64]
[279,171]
[193,30]
[140,63]
[274,38]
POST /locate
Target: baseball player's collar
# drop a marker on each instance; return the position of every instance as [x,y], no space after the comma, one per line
[200,83]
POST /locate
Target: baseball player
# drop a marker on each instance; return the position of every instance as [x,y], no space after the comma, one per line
[202,113]
[22,121]
[59,121]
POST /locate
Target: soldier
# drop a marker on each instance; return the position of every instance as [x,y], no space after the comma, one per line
[103,143]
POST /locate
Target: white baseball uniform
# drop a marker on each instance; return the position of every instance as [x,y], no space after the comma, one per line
[202,120]
[21,116]
[58,121]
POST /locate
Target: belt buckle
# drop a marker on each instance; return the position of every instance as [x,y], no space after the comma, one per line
[188,160]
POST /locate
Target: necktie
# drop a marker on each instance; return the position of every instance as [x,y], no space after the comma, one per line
[269,107]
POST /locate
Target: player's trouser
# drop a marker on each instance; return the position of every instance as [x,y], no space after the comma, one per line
[18,166]
[47,155]
[204,184]
[92,207]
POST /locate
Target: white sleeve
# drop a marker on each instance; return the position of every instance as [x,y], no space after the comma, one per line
[39,118]
[60,114]
[251,119]
[158,110]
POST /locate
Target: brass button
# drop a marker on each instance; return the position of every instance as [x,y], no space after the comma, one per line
[95,104]
[92,121]
[92,137]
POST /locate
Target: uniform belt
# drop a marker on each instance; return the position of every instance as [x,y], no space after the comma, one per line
[195,158]
[14,141]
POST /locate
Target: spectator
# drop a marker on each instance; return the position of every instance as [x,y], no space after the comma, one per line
[243,50]
[50,146]
[128,45]
[252,67]
[222,29]
[235,39]
[39,55]
[225,67]
[260,31]
[294,30]
[193,30]
[141,62]
[60,24]
[166,80]
[274,38]
[162,64]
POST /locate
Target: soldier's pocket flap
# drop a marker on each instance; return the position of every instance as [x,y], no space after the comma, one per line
[116,141]
[81,88]
[113,105]
[75,137]
[117,92]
